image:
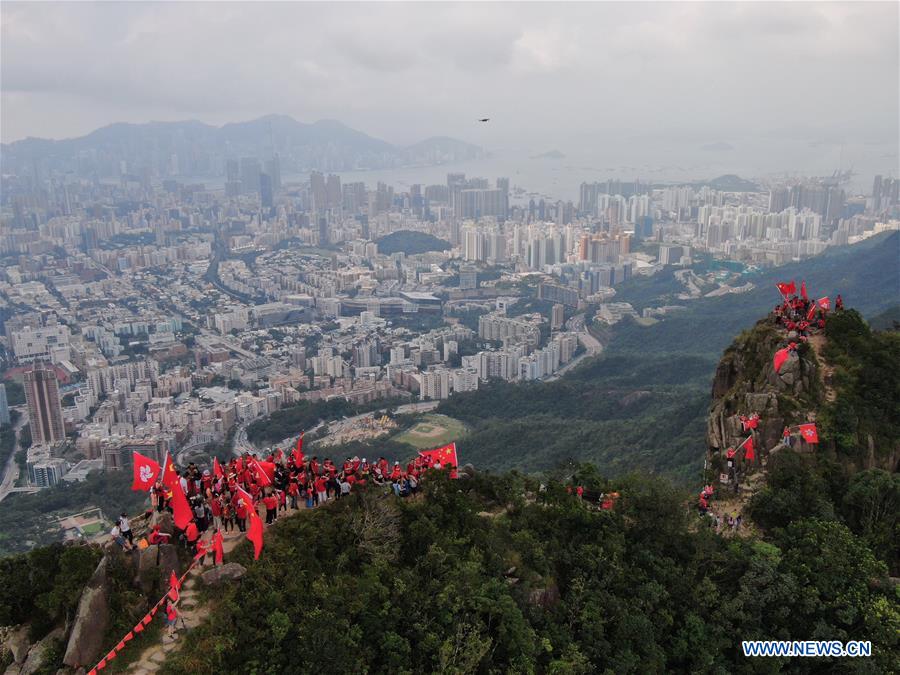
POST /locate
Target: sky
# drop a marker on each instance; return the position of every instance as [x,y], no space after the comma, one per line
[570,76]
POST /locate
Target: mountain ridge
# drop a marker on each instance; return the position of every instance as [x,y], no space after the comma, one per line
[325,144]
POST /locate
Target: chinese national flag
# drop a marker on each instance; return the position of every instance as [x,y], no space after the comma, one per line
[218,547]
[174,587]
[181,510]
[749,451]
[811,313]
[787,288]
[169,477]
[809,433]
[297,453]
[780,357]
[803,290]
[255,533]
[217,468]
[265,471]
[825,303]
[146,471]
[445,455]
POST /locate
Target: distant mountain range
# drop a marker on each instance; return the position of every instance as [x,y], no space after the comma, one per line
[192,148]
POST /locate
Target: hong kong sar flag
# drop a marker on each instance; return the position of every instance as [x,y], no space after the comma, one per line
[145,472]
[809,433]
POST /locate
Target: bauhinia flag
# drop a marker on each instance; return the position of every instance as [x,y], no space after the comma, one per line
[146,471]
[749,453]
[780,357]
[809,433]
[825,303]
[445,455]
[787,288]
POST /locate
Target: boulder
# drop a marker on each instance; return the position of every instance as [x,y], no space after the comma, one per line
[17,643]
[227,572]
[155,563]
[91,621]
[545,597]
[164,520]
[40,653]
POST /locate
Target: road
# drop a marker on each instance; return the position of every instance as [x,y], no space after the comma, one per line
[11,470]
[591,345]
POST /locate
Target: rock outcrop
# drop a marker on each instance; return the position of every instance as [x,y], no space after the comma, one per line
[227,572]
[155,563]
[91,621]
[39,656]
[17,643]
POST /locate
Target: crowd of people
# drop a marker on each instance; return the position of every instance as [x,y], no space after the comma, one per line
[222,499]
[802,315]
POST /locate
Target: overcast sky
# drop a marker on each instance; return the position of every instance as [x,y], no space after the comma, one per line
[556,74]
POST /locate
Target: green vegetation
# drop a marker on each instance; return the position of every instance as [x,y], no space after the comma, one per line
[623,412]
[432,431]
[546,586]
[410,243]
[28,520]
[15,392]
[42,587]
[864,418]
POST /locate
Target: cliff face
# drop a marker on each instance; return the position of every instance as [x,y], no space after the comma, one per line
[746,382]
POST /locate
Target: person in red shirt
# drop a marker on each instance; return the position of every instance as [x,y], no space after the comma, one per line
[321,490]
[241,512]
[293,491]
[396,472]
[270,501]
[171,618]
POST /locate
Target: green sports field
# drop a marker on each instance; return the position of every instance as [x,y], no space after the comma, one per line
[432,431]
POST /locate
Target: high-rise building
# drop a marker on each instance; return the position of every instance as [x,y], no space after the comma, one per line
[317,192]
[557,317]
[333,195]
[44,407]
[266,191]
[250,171]
[4,405]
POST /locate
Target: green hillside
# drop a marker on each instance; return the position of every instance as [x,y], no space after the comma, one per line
[410,243]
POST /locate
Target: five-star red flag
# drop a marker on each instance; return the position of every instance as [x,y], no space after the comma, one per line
[787,288]
[146,471]
[181,510]
[747,446]
[265,471]
[445,455]
[169,477]
[255,533]
[825,303]
[218,547]
[780,357]
[217,468]
[809,432]
[803,290]
[297,453]
[811,312]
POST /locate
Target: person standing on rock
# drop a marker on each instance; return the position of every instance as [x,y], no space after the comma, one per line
[125,528]
[171,618]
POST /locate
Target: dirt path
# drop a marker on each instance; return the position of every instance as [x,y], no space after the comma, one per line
[826,372]
[190,612]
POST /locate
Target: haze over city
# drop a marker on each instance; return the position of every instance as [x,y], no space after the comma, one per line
[761,87]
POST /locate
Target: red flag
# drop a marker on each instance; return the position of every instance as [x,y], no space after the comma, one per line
[803,290]
[181,510]
[169,477]
[217,468]
[265,471]
[787,288]
[255,533]
[780,357]
[218,547]
[297,453]
[749,452]
[174,586]
[146,472]
[809,433]
[445,455]
[201,550]
[825,303]
[811,312]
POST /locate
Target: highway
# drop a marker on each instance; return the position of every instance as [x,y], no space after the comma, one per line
[11,470]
